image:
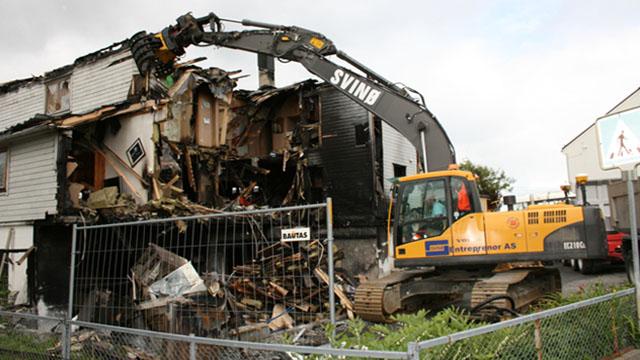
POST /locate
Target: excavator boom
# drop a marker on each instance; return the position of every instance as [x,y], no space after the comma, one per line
[392,103]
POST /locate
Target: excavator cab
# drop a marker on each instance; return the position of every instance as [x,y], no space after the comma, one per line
[430,205]
[438,221]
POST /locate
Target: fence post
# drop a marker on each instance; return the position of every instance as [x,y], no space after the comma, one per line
[192,348]
[633,228]
[332,300]
[72,272]
[65,341]
[413,351]
[537,336]
[614,327]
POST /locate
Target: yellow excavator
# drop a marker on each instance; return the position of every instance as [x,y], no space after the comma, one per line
[450,252]
[445,248]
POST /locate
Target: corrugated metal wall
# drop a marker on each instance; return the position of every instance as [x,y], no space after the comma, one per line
[347,165]
[100,83]
[396,149]
[21,105]
[32,181]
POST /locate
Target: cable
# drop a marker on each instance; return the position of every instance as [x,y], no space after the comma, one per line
[501,310]
[494,298]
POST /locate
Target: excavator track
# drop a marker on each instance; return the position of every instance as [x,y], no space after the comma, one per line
[522,286]
[375,300]
[513,290]
[369,302]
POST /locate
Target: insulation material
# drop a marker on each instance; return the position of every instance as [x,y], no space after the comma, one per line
[284,123]
[182,280]
[212,117]
[58,96]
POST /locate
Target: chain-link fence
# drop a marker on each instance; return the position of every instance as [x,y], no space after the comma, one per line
[591,329]
[109,342]
[596,328]
[27,336]
[227,275]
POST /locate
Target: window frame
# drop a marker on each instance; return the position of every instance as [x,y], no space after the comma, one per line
[471,191]
[400,193]
[399,167]
[5,174]
[58,82]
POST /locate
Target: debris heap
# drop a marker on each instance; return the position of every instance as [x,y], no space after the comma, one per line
[283,286]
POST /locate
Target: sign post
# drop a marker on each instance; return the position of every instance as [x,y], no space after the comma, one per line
[619,148]
[633,225]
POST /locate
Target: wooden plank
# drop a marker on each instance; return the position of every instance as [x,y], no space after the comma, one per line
[124,177]
[344,300]
[190,176]
[122,162]
[280,318]
[157,194]
[98,170]
[282,291]
[25,255]
[8,245]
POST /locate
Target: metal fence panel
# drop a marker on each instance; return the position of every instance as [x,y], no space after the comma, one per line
[224,275]
[113,342]
[25,336]
[595,328]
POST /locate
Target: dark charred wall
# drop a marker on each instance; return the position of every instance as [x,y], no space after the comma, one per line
[345,155]
[51,264]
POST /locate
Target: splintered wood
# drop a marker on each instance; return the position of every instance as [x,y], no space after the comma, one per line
[284,285]
[286,278]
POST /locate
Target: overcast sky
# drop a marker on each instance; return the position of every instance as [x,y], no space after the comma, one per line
[512,82]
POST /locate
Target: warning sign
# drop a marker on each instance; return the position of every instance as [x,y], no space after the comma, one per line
[618,137]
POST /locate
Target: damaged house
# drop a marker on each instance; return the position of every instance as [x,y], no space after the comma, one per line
[95,141]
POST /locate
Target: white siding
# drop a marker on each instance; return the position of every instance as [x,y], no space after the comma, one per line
[582,158]
[396,149]
[630,102]
[96,84]
[31,181]
[132,128]
[21,105]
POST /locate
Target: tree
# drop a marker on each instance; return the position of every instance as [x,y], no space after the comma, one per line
[491,182]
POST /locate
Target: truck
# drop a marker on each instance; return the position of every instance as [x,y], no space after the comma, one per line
[620,220]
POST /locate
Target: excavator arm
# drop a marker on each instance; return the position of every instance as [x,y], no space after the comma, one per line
[390,102]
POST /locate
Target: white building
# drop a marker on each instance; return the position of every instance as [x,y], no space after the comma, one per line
[582,158]
[30,152]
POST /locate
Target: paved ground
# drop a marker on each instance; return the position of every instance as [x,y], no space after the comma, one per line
[608,275]
[631,355]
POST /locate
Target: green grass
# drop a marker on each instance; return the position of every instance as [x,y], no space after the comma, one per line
[13,342]
[586,333]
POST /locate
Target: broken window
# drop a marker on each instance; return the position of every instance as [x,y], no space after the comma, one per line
[362,134]
[399,170]
[57,98]
[4,164]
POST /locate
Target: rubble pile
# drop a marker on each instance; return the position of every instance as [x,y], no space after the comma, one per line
[210,148]
[284,286]
[284,279]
